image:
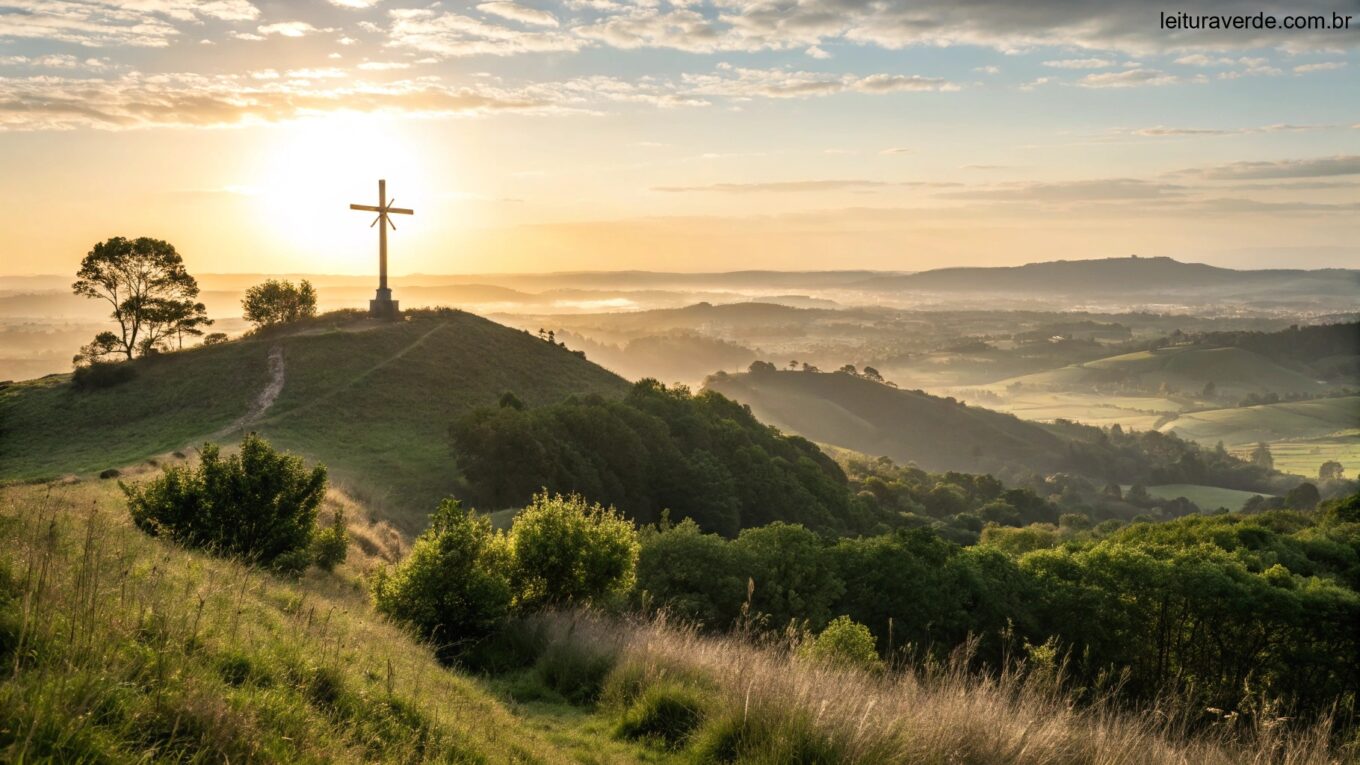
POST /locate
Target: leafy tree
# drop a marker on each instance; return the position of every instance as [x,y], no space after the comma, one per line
[1305,496]
[565,551]
[793,575]
[215,338]
[454,586]
[259,504]
[845,643]
[143,280]
[693,575]
[1261,456]
[1331,470]
[277,301]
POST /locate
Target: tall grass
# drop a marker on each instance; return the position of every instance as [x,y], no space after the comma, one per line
[764,703]
[118,648]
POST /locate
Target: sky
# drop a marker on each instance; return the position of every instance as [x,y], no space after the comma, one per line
[689,135]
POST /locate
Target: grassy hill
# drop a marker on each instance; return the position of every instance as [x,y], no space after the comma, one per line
[118,648]
[371,400]
[1291,420]
[868,417]
[1234,372]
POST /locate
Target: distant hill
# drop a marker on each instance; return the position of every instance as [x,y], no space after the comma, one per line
[373,401]
[1234,371]
[1114,276]
[908,426]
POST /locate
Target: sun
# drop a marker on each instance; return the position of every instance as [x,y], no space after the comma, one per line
[313,169]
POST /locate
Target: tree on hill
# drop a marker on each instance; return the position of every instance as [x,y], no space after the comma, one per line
[1331,470]
[1261,456]
[279,301]
[150,292]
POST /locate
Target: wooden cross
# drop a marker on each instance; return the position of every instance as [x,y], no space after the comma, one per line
[383,210]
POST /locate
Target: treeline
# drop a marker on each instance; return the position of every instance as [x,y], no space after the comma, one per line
[700,456]
[1231,609]
[1300,344]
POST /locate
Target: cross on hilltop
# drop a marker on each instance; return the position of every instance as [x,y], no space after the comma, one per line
[382,306]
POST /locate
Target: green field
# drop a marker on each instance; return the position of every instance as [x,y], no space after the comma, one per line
[372,401]
[1288,421]
[1205,497]
[1306,456]
[1235,372]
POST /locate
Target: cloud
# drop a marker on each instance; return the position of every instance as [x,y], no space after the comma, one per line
[1325,66]
[895,150]
[1319,167]
[738,82]
[1073,191]
[138,100]
[521,13]
[1080,63]
[56,61]
[287,29]
[1128,78]
[756,25]
[1162,131]
[989,69]
[454,35]
[816,52]
[799,186]
[357,5]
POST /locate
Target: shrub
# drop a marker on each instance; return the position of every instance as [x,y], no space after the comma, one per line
[215,338]
[666,713]
[102,374]
[109,473]
[845,643]
[259,504]
[566,551]
[331,544]
[453,587]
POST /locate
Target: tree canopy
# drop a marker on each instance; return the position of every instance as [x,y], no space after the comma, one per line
[152,296]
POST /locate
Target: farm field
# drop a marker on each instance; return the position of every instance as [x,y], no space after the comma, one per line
[1304,457]
[1206,497]
[1289,421]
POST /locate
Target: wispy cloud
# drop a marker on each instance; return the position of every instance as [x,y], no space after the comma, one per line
[1318,167]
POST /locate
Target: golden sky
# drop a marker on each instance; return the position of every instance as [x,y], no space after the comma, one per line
[682,136]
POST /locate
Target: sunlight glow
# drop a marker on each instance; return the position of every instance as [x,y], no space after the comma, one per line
[312,170]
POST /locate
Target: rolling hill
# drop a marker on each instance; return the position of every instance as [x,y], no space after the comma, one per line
[372,401]
[1234,372]
[908,426]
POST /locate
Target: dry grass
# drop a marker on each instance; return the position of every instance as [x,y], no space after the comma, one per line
[770,706]
[118,648]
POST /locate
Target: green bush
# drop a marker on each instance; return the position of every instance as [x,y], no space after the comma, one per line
[331,544]
[453,588]
[567,551]
[102,374]
[259,504]
[845,643]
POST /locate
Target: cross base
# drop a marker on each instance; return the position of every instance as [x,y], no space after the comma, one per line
[382,306]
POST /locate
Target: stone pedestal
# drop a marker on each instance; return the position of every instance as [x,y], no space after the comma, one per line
[382,306]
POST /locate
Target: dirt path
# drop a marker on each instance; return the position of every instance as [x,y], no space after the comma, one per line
[268,394]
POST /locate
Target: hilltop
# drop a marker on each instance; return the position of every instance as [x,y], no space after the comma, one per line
[908,426]
[372,401]
[1112,276]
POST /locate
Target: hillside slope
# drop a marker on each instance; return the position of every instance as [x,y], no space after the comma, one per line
[119,648]
[373,401]
[1234,372]
[907,426]
[1270,422]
